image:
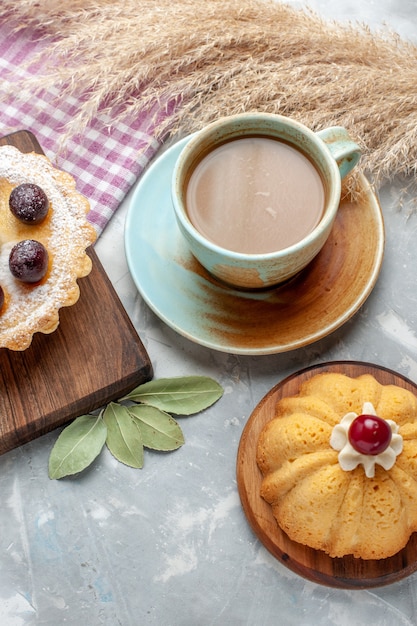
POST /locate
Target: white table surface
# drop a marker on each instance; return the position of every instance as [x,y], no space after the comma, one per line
[169,544]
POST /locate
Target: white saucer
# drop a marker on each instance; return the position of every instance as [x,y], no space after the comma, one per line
[314,304]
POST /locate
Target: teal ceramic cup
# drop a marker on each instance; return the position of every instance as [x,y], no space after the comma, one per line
[331,151]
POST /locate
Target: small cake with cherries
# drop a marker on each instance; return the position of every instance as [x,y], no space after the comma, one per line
[44,235]
[339,466]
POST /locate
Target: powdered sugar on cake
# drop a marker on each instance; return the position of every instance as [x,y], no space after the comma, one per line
[66,235]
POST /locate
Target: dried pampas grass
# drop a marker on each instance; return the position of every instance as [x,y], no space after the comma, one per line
[196,60]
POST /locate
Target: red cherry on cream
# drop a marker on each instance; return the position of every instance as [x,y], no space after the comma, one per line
[369,434]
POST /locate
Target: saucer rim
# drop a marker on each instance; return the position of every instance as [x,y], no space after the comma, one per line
[166,159]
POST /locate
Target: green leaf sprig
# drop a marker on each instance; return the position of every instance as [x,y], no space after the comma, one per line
[139,420]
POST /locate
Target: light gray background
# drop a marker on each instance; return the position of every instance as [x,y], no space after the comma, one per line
[169,544]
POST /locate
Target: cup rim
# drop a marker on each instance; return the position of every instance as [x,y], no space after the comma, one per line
[186,153]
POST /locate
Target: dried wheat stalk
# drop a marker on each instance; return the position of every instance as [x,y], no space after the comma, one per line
[219,57]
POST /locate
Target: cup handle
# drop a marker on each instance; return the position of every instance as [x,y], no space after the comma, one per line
[345,151]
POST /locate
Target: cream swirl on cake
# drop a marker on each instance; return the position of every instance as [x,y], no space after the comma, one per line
[350,454]
[61,237]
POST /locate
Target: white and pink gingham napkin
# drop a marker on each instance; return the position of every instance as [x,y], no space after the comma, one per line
[105,161]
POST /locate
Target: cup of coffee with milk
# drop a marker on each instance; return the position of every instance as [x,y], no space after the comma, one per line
[255,195]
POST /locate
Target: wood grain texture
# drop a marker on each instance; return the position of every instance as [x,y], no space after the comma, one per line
[94,356]
[347,572]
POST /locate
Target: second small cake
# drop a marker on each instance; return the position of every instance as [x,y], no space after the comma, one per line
[339,465]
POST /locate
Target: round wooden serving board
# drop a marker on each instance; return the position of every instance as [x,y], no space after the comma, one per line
[347,572]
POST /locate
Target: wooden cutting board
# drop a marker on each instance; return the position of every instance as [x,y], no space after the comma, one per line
[94,356]
[347,572]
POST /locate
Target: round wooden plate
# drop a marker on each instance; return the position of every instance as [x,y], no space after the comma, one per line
[347,572]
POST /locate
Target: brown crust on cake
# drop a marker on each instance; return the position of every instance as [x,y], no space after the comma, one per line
[313,499]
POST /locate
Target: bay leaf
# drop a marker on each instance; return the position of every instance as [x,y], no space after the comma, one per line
[159,430]
[183,395]
[77,446]
[124,438]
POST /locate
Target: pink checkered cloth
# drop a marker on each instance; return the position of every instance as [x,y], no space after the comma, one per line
[105,161]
